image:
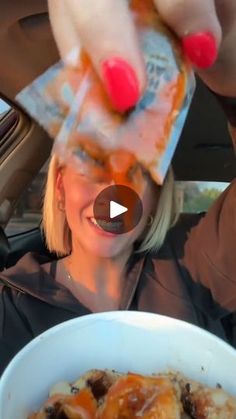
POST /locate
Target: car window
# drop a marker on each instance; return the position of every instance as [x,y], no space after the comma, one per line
[196,197]
[4,108]
[28,212]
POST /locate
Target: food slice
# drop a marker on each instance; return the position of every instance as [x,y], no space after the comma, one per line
[78,400]
[202,402]
[136,396]
[79,406]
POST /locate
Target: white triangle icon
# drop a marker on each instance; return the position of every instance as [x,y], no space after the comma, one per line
[116,209]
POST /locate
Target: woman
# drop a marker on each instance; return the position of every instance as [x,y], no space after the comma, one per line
[100,271]
[194,279]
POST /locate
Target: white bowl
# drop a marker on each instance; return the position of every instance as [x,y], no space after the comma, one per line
[125,341]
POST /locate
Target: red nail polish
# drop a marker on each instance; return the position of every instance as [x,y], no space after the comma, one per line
[201,49]
[121,84]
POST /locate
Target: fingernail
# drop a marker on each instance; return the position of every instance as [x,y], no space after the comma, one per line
[201,49]
[121,84]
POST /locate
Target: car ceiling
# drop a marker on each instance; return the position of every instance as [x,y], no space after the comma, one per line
[27,49]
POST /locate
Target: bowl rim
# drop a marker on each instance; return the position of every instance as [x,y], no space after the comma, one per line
[121,316]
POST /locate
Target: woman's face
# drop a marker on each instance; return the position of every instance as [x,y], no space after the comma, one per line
[79,193]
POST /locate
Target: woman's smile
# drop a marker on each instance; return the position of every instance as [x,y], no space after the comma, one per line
[106,228]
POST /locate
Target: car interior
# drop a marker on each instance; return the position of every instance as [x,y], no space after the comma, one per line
[27,49]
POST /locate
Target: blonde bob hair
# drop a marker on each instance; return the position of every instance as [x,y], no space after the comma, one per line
[58,234]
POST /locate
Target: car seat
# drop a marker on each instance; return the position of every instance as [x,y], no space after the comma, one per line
[4,249]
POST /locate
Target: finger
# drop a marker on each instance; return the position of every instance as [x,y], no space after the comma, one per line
[196,22]
[64,31]
[107,32]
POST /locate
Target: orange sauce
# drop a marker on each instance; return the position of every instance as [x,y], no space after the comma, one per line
[120,162]
[85,400]
[132,396]
[135,396]
[176,91]
[118,166]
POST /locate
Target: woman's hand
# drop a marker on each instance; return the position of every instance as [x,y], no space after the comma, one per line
[105,28]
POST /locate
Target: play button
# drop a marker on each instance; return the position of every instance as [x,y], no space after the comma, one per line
[117,209]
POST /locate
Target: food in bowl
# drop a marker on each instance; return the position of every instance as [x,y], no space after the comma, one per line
[107,394]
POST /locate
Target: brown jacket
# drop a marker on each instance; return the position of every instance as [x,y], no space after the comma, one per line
[193,278]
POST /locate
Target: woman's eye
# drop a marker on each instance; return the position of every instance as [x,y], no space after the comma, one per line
[82,155]
[99,162]
[137,168]
[145,173]
[85,157]
[133,171]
